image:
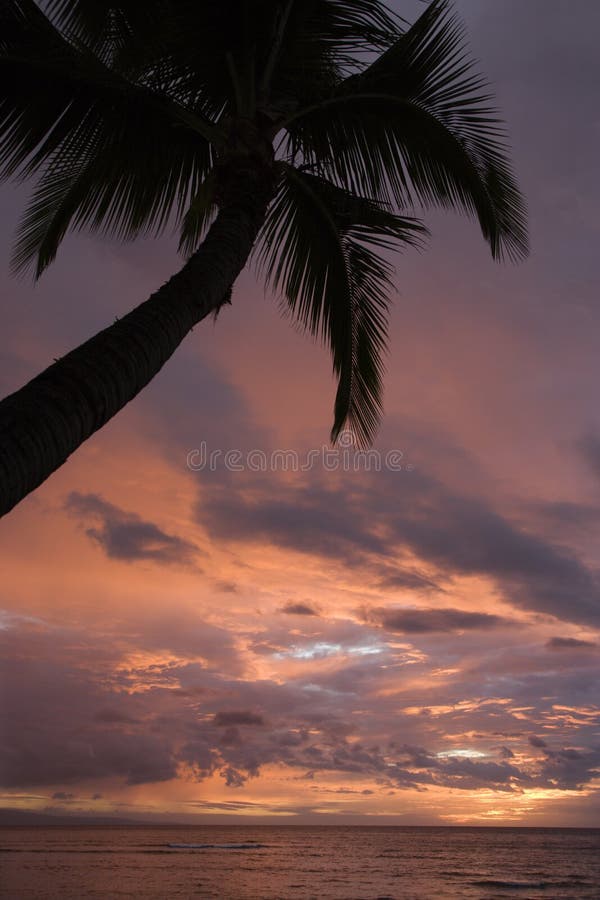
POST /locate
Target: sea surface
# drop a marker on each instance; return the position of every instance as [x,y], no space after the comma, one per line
[328,863]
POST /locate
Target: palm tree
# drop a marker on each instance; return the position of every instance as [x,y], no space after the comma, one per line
[304,131]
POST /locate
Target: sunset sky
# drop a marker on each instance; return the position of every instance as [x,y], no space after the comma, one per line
[415,645]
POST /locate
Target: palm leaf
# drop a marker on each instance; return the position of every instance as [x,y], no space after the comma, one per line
[198,217]
[113,155]
[321,248]
[416,126]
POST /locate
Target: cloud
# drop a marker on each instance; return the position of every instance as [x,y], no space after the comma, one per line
[536,741]
[369,519]
[410,580]
[189,636]
[226,587]
[54,712]
[566,643]
[113,717]
[237,717]
[143,723]
[570,769]
[310,518]
[124,535]
[568,516]
[423,621]
[298,609]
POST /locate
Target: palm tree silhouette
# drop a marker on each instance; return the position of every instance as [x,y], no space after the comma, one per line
[304,131]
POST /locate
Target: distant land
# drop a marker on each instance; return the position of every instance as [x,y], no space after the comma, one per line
[10,818]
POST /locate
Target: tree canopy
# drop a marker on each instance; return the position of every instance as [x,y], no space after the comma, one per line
[132,117]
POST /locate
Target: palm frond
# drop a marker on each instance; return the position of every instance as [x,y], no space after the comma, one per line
[355,26]
[198,217]
[112,155]
[183,48]
[416,126]
[101,26]
[321,248]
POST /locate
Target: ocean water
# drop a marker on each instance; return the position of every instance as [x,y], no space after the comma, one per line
[336,863]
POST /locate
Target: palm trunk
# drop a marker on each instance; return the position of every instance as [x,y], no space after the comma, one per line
[47,419]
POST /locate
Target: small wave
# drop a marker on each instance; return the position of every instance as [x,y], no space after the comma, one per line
[248,846]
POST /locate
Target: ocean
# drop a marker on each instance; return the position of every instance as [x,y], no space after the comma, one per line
[336,863]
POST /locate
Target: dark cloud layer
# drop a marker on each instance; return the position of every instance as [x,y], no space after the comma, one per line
[299,609]
[568,643]
[124,535]
[237,717]
[422,621]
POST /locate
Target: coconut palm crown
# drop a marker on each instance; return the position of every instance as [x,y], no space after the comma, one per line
[303,131]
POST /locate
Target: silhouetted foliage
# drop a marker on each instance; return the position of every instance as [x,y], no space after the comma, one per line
[333,115]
